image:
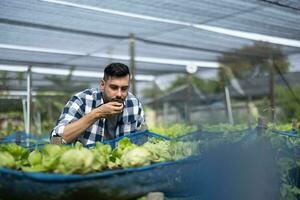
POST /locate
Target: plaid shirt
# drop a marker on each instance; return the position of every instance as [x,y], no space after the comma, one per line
[83,102]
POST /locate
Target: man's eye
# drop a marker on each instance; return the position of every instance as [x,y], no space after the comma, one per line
[113,87]
[124,88]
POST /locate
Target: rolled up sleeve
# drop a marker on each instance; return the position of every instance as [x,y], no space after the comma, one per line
[72,111]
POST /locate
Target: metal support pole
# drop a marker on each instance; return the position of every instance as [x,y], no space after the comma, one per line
[28,121]
[165,111]
[248,111]
[224,79]
[132,62]
[24,113]
[188,104]
[228,105]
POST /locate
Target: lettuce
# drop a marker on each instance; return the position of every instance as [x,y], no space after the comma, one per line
[7,160]
[138,156]
[35,157]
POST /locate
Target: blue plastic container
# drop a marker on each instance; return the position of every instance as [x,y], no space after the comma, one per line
[167,177]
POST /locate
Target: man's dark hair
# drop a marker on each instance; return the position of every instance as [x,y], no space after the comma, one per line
[116,69]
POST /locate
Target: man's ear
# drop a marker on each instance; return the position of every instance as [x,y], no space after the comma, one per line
[102,84]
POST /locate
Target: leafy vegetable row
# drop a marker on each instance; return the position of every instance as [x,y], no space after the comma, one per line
[80,160]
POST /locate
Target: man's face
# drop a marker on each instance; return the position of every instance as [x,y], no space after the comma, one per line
[115,88]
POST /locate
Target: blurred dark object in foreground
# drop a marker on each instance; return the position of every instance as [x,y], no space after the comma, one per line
[235,171]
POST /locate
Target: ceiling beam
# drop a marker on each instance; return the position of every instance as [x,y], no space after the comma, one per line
[178,62]
[65,72]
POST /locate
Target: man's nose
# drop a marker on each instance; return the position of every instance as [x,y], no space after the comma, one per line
[119,93]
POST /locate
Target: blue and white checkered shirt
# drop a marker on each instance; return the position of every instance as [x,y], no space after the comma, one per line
[83,102]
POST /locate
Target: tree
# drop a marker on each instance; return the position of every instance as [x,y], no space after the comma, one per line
[289,103]
[254,60]
[152,92]
[206,86]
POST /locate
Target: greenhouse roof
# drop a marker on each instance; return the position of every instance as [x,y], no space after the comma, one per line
[168,34]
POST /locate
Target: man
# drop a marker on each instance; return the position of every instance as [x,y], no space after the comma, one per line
[96,115]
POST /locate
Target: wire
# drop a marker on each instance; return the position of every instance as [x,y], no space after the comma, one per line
[280,4]
[61,29]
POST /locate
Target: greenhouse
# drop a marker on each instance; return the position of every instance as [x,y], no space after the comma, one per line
[150,99]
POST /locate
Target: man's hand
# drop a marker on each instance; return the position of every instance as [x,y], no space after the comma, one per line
[109,108]
[75,129]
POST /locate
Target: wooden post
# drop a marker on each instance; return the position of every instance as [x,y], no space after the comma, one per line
[155,196]
[261,126]
[188,104]
[248,111]
[294,124]
[29,106]
[132,62]
[271,89]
